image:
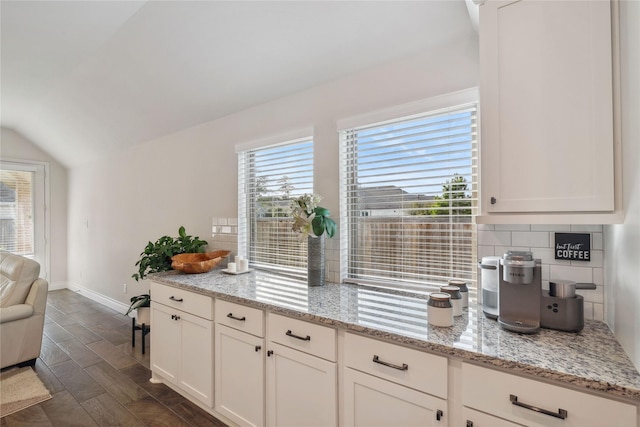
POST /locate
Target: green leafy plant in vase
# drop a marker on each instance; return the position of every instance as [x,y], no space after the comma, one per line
[311,222]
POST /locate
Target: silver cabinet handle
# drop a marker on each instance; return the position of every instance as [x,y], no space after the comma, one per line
[172,298]
[562,414]
[376,359]
[292,335]
[231,316]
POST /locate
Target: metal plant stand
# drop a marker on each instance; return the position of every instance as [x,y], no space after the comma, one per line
[145,330]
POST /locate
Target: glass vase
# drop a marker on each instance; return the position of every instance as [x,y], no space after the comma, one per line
[315,261]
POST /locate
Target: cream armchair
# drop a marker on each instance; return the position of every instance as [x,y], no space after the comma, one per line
[23,299]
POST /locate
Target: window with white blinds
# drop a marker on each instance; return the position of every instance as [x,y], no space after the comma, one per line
[269,179]
[17,211]
[408,196]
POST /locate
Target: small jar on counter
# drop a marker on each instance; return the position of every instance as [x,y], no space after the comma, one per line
[456,298]
[464,291]
[439,309]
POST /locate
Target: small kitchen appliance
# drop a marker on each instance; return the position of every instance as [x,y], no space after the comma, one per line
[520,292]
[561,308]
[490,281]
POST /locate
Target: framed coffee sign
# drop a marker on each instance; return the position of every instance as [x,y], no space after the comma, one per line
[573,246]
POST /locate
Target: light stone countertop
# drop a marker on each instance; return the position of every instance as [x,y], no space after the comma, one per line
[592,359]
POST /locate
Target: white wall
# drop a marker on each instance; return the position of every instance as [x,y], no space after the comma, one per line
[15,146]
[189,177]
[622,242]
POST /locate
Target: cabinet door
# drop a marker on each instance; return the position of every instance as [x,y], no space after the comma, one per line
[480,419]
[373,402]
[301,389]
[165,342]
[239,376]
[546,99]
[196,357]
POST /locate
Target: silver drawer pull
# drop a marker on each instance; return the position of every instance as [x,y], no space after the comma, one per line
[404,366]
[172,298]
[231,316]
[562,414]
[292,335]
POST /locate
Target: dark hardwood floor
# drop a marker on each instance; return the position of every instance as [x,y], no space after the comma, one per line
[94,375]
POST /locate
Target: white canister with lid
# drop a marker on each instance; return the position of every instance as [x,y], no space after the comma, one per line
[464,291]
[439,309]
[456,298]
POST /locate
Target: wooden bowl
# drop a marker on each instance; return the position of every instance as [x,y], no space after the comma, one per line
[198,262]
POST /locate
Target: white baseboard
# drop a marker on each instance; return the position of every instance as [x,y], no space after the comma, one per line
[98,297]
[56,286]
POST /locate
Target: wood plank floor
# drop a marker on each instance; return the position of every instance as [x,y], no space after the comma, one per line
[94,375]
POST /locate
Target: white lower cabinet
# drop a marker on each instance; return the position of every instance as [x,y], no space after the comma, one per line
[182,351]
[239,376]
[373,402]
[286,375]
[239,363]
[386,384]
[534,403]
[301,387]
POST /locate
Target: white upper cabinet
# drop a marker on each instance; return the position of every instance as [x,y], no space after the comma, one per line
[546,93]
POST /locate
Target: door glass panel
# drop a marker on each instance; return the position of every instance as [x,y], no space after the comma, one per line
[17,211]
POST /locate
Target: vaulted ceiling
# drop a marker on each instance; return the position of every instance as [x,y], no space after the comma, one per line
[83,78]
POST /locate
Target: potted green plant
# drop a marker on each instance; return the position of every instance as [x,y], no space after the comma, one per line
[141,303]
[155,258]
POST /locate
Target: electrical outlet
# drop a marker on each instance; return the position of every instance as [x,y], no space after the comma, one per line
[124,288]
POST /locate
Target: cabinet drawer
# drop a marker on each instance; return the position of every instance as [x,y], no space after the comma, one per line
[304,336]
[491,391]
[475,418]
[412,368]
[240,317]
[190,302]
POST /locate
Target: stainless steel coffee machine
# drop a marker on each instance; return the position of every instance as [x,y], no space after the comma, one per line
[520,292]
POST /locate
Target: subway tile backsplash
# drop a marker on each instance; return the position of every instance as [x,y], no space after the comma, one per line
[224,234]
[540,239]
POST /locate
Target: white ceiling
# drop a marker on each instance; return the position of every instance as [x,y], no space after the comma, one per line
[82,78]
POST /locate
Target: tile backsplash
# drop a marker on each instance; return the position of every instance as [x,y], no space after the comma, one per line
[224,234]
[540,239]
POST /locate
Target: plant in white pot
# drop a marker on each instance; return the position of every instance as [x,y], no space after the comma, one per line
[142,304]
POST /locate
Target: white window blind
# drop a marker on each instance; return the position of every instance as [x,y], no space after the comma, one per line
[269,179]
[17,215]
[408,196]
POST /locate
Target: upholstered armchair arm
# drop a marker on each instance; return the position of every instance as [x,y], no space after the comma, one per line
[15,312]
[38,296]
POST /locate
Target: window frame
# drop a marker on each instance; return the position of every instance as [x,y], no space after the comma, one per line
[443,103]
[245,231]
[41,202]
